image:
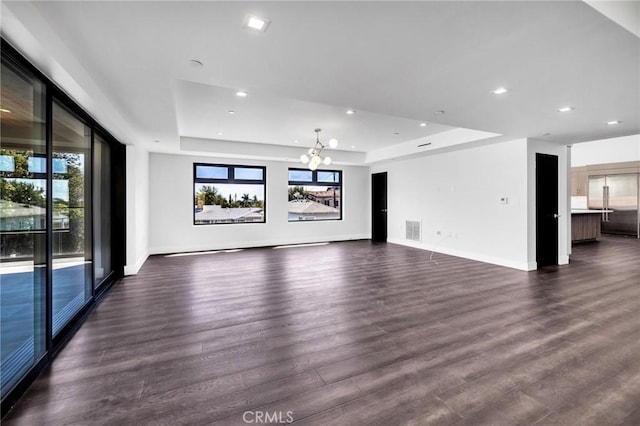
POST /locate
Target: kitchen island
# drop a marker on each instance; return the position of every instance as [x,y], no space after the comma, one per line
[586,224]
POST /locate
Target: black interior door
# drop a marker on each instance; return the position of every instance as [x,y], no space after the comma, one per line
[546,209]
[379,207]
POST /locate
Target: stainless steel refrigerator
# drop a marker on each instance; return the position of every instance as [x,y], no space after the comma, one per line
[619,193]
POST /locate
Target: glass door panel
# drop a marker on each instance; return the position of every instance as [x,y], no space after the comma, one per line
[102,209]
[23,212]
[72,266]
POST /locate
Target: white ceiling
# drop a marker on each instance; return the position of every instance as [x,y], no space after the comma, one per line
[203,111]
[395,63]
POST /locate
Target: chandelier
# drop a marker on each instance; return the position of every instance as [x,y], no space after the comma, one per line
[313,157]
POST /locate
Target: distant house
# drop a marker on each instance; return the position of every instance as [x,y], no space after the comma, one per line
[18,218]
[21,217]
[25,217]
[311,210]
[330,197]
[216,214]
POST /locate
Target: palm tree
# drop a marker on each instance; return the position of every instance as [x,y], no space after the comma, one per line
[245,200]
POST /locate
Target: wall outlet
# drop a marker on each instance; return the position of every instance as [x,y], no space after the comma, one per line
[504,200]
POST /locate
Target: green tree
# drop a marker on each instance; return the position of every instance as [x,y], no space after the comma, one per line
[209,195]
[22,192]
[73,241]
[297,193]
[74,175]
[246,200]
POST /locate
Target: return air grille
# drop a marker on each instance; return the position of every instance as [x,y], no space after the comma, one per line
[413,230]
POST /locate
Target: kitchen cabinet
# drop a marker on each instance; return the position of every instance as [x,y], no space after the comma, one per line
[579,178]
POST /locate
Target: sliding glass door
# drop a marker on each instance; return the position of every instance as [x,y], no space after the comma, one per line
[71,164]
[23,224]
[61,205]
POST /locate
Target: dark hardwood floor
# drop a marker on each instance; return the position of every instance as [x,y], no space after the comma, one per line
[355,333]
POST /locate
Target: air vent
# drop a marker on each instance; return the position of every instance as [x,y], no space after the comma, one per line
[413,230]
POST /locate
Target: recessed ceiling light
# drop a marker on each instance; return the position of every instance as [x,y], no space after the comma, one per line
[220,133]
[351,111]
[353,146]
[565,109]
[242,94]
[439,111]
[396,133]
[156,141]
[5,110]
[423,124]
[194,63]
[547,134]
[612,123]
[296,141]
[231,112]
[257,23]
[500,91]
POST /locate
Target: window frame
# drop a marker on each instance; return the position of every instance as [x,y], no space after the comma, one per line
[315,182]
[230,180]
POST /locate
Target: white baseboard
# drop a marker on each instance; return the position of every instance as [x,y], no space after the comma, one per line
[228,245]
[133,269]
[509,263]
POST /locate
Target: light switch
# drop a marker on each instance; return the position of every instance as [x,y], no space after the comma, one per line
[504,200]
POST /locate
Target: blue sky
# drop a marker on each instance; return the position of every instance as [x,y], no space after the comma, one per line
[226,189]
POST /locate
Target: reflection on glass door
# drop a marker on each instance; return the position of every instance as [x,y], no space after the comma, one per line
[23,210]
[102,209]
[71,193]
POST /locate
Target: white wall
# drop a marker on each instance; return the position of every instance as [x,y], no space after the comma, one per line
[603,151]
[456,196]
[564,204]
[171,209]
[137,172]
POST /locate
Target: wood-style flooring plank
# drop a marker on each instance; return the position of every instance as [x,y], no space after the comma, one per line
[355,333]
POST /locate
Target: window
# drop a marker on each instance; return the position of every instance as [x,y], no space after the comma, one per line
[228,194]
[315,195]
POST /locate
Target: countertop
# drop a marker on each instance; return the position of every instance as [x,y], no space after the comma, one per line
[589,211]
